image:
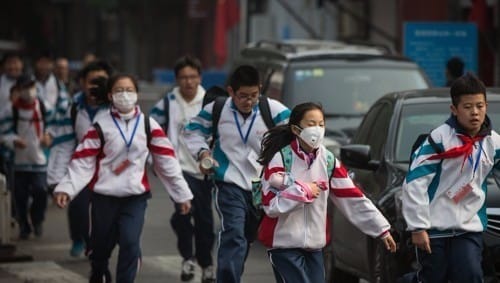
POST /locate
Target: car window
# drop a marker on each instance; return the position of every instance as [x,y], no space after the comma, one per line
[378,134]
[421,118]
[274,85]
[347,89]
[364,131]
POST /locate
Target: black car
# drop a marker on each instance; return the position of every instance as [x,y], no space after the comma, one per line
[378,160]
[345,78]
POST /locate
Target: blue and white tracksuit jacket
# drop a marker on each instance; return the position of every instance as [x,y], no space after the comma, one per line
[66,137]
[427,204]
[237,159]
[180,112]
[93,163]
[296,220]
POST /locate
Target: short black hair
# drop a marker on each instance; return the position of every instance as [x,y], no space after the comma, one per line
[455,67]
[466,85]
[112,81]
[97,65]
[187,61]
[244,75]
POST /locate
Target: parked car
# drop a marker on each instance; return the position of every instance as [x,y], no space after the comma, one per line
[378,160]
[345,78]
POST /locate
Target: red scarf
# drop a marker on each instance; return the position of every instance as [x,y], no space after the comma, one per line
[465,150]
[21,104]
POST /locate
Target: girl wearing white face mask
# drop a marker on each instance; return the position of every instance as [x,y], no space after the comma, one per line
[299,176]
[120,189]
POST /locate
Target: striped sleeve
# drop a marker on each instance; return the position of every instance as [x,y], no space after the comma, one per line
[158,113]
[167,166]
[199,130]
[63,145]
[351,201]
[82,166]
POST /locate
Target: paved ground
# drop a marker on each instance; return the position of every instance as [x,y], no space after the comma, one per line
[161,263]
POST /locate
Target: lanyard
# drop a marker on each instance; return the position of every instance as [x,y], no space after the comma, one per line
[245,138]
[123,135]
[477,160]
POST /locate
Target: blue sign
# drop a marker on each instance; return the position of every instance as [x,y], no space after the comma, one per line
[432,44]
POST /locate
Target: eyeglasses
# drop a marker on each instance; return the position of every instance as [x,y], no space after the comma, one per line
[247,97]
[188,78]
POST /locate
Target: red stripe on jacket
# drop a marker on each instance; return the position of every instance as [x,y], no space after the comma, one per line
[87,152]
[158,133]
[162,150]
[347,193]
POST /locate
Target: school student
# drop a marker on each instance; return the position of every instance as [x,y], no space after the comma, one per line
[444,194]
[299,176]
[111,159]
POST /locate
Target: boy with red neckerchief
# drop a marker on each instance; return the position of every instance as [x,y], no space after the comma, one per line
[444,193]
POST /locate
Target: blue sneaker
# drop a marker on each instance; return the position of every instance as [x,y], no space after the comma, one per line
[77,248]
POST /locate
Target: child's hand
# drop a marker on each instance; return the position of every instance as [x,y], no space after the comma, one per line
[421,240]
[46,140]
[389,243]
[61,199]
[184,207]
[19,143]
[315,190]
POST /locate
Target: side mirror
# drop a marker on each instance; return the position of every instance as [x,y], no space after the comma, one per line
[358,156]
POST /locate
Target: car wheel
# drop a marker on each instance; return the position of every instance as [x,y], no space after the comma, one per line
[384,265]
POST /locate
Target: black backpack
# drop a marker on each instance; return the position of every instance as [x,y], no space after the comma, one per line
[219,96]
[420,140]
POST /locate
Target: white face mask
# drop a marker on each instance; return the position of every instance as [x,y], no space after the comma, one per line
[313,136]
[124,101]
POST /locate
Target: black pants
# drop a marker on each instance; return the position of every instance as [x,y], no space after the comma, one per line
[78,216]
[202,230]
[30,185]
[453,259]
[116,220]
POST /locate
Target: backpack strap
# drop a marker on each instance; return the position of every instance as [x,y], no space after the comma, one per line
[265,112]
[330,164]
[73,112]
[286,156]
[15,117]
[166,111]
[147,127]
[216,111]
[431,141]
[98,129]
[43,110]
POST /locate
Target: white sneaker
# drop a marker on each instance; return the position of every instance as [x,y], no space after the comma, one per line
[208,275]
[187,271]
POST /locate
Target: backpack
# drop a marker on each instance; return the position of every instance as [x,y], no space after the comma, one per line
[15,113]
[286,156]
[420,140]
[219,96]
[147,128]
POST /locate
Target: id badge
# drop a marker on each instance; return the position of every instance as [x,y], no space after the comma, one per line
[458,195]
[118,169]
